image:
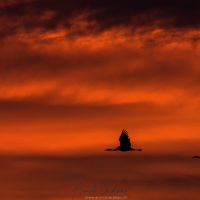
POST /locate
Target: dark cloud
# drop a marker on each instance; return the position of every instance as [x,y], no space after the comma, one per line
[100,15]
[110,66]
[37,109]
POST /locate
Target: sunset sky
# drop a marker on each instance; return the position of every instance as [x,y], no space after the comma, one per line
[74,73]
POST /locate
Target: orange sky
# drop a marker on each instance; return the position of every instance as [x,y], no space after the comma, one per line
[73,79]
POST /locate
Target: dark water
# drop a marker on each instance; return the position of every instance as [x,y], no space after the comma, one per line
[111,176]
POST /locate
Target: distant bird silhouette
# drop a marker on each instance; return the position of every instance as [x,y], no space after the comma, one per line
[196,157]
[125,144]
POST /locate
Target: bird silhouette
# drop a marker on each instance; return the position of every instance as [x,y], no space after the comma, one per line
[125,144]
[196,157]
